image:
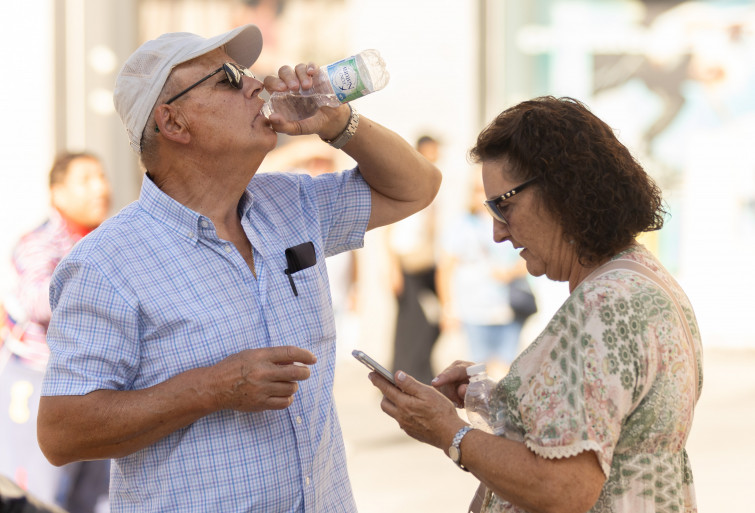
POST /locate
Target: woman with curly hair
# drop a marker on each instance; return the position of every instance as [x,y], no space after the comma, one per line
[598,408]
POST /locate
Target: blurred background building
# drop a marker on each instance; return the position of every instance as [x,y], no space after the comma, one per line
[675,78]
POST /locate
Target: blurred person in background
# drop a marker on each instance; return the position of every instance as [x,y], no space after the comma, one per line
[595,414]
[80,201]
[192,333]
[412,255]
[474,274]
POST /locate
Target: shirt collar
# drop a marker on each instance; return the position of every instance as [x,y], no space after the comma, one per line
[183,220]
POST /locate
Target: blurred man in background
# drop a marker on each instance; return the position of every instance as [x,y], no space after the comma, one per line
[80,199]
[413,257]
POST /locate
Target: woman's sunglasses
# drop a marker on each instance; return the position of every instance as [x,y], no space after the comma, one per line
[495,205]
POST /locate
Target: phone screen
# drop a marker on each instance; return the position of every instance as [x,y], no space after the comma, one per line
[372,364]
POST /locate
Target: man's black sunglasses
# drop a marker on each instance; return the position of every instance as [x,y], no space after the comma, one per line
[234,72]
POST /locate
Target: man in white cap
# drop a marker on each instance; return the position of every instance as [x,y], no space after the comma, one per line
[192,337]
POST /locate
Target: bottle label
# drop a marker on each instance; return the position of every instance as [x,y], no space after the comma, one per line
[345,79]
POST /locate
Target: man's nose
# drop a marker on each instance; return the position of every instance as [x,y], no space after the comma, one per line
[251,86]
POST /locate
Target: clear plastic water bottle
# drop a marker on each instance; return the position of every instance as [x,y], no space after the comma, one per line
[477,397]
[334,84]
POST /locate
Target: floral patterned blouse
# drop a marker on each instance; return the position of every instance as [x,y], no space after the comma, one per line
[613,373]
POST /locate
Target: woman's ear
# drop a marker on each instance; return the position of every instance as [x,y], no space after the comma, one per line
[170,125]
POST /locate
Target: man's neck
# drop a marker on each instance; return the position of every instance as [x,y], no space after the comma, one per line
[212,192]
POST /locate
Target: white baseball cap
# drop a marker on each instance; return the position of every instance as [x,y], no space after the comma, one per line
[143,76]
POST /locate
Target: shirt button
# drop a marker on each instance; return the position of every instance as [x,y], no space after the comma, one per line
[228,249]
[190,235]
[205,224]
[307,480]
[298,419]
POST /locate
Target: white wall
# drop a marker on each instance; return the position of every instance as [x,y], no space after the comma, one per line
[26,133]
[430,49]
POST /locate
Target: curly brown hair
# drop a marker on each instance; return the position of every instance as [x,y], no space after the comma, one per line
[600,194]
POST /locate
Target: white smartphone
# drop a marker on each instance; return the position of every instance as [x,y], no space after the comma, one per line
[372,364]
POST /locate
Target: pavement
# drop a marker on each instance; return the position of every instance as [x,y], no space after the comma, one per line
[391,472]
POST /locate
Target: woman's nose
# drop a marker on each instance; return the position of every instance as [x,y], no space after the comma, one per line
[500,231]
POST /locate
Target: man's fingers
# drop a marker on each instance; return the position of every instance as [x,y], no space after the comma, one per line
[289,373]
[281,395]
[291,354]
[289,76]
[273,83]
[279,403]
[285,72]
[301,74]
[283,389]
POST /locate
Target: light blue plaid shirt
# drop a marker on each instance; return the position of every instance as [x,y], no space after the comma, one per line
[154,292]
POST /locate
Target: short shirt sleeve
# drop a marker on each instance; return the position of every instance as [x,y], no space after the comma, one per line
[93,333]
[585,374]
[613,373]
[344,204]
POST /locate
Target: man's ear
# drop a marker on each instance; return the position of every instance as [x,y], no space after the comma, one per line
[56,195]
[170,124]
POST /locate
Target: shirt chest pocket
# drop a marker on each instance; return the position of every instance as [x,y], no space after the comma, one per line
[305,305]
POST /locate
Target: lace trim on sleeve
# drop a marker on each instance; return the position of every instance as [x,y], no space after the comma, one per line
[567,451]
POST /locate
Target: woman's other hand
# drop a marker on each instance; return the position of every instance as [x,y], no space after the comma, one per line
[453,381]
